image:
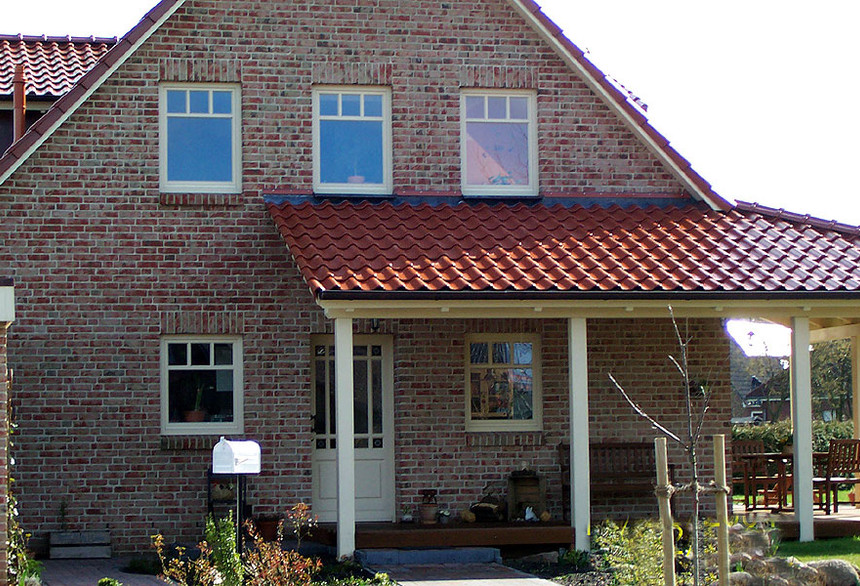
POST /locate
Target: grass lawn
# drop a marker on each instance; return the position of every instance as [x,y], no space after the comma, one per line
[844,548]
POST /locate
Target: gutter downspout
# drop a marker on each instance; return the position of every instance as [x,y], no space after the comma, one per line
[19,104]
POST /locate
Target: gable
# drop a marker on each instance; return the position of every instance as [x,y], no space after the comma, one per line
[426,54]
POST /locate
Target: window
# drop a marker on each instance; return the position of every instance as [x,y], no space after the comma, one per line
[201,385]
[503,386]
[352,140]
[498,141]
[200,140]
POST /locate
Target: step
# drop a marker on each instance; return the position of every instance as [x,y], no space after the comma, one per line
[441,555]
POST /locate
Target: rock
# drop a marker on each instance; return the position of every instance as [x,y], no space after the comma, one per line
[742,579]
[837,572]
[548,557]
[740,559]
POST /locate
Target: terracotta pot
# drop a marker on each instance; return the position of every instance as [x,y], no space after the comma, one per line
[267,528]
[194,416]
[428,513]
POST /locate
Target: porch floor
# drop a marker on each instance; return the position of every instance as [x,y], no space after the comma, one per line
[453,534]
[845,523]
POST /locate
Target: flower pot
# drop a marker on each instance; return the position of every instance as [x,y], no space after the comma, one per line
[194,416]
[267,528]
[428,513]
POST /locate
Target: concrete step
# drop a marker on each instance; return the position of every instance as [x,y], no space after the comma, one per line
[444,555]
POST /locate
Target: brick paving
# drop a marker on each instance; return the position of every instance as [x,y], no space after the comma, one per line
[89,572]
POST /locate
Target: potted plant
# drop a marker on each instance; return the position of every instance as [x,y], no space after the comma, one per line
[429,507]
[197,414]
[267,525]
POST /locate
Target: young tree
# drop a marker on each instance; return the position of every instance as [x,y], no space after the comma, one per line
[697,397]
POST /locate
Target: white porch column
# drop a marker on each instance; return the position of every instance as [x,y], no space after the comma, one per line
[855,395]
[580,487]
[801,417]
[344,435]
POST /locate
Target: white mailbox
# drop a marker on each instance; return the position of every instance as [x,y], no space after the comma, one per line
[236,457]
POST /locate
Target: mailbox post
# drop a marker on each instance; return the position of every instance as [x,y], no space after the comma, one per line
[239,459]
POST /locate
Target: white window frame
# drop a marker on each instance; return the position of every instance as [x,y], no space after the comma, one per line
[236,426]
[501,190]
[234,186]
[536,423]
[386,187]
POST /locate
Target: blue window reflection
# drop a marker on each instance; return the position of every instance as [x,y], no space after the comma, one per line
[351,151]
[199,149]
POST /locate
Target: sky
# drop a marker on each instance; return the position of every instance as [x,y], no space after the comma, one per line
[759,95]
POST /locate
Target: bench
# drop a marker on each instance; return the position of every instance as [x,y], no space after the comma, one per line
[617,468]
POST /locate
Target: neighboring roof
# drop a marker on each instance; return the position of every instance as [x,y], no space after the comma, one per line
[622,101]
[350,249]
[52,65]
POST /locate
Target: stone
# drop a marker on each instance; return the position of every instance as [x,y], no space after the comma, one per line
[837,572]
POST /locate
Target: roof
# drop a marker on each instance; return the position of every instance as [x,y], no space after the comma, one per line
[354,249]
[605,86]
[52,65]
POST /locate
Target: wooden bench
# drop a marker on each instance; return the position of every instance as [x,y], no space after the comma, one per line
[617,468]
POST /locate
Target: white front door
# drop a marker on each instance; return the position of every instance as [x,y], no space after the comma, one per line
[373,376]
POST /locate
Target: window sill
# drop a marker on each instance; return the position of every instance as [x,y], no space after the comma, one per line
[511,438]
[201,199]
[188,443]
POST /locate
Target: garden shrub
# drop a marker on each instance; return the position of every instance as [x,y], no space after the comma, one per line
[776,436]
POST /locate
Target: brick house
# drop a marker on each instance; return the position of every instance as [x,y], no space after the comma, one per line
[7,316]
[442,206]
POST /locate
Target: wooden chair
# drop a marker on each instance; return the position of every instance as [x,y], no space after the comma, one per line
[843,467]
[752,473]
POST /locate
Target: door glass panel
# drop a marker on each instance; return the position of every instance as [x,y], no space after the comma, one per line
[332,425]
[376,385]
[361,442]
[359,373]
[359,351]
[319,399]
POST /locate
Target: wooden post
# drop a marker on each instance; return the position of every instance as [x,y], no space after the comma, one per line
[801,423]
[722,493]
[664,493]
[344,433]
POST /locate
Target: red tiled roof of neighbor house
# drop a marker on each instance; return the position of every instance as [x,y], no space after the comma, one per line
[52,65]
[622,100]
[348,248]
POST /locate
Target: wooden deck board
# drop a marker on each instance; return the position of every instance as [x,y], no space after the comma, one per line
[399,535]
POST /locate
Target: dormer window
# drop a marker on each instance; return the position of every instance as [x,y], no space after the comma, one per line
[352,140]
[200,138]
[498,141]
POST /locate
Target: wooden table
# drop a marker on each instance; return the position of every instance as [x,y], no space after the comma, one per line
[776,480]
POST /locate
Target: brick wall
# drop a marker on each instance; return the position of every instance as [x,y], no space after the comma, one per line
[104,264]
[4,452]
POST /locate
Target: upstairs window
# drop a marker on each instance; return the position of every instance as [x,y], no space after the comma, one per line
[503,383]
[498,141]
[352,140]
[201,385]
[200,140]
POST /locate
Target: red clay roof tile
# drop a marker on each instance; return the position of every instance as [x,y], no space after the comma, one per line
[52,65]
[554,248]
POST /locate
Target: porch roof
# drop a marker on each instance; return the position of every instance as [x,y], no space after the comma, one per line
[362,250]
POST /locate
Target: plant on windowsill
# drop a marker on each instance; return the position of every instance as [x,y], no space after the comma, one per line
[197,414]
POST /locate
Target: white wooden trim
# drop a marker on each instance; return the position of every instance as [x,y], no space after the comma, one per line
[532,189]
[580,473]
[98,83]
[387,185]
[776,310]
[801,416]
[536,422]
[855,392]
[344,435]
[234,186]
[237,426]
[834,333]
[7,304]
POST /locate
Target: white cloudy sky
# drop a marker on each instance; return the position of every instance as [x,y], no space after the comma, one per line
[758,94]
